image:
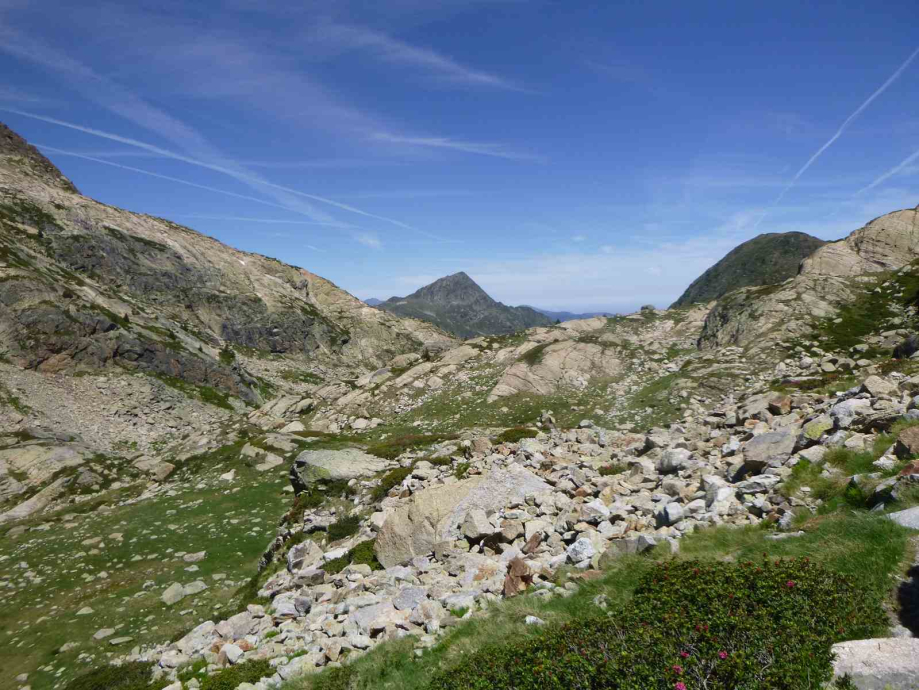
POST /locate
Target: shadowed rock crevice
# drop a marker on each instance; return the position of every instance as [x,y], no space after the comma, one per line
[908,600]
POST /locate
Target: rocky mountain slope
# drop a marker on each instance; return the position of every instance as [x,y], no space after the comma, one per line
[250,469]
[458,305]
[765,260]
[125,332]
[85,284]
[836,281]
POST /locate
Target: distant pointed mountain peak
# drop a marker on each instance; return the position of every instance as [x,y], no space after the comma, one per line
[460,306]
[457,288]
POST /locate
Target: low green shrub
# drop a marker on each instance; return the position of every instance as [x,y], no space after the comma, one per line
[612,468]
[344,527]
[192,670]
[227,355]
[461,470]
[691,624]
[850,461]
[806,473]
[131,676]
[315,495]
[534,355]
[362,554]
[390,480]
[229,678]
[392,448]
[515,435]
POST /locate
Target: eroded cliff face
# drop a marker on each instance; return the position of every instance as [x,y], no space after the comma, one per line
[885,244]
[831,276]
[83,284]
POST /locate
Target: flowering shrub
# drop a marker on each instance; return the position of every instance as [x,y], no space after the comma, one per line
[692,624]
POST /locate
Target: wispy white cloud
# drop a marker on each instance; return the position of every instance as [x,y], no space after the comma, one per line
[331,163]
[842,128]
[478,148]
[410,194]
[217,168]
[579,238]
[392,50]
[369,239]
[315,249]
[621,71]
[121,101]
[10,95]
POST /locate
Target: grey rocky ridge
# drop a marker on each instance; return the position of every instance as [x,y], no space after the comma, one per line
[246,465]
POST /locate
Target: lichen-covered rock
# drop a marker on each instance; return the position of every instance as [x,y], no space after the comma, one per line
[350,463]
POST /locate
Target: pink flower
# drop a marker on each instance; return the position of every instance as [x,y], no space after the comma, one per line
[679,686]
[678,669]
[685,655]
[790,584]
[722,655]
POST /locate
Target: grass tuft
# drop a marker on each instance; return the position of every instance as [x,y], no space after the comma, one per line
[392,448]
[131,676]
[516,434]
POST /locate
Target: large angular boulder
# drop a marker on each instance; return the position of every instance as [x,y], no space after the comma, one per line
[890,663]
[198,639]
[846,412]
[318,465]
[907,443]
[436,514]
[876,386]
[813,430]
[907,518]
[773,448]
[674,460]
[303,556]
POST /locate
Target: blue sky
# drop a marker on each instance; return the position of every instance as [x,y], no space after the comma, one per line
[572,155]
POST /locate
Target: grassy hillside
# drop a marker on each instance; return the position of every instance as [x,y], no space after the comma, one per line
[765,260]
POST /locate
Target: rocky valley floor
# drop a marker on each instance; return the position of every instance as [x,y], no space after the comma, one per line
[222,472]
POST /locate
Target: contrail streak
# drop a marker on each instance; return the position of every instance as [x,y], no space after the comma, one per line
[193,161]
[858,111]
[171,179]
[248,219]
[890,173]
